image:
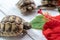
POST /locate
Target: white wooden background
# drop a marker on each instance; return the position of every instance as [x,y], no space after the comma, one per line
[9,7]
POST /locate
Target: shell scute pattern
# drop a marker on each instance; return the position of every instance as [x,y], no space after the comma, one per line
[26,6]
[11,26]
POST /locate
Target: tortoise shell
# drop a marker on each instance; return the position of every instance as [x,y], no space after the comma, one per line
[26,5]
[49,4]
[52,2]
[13,26]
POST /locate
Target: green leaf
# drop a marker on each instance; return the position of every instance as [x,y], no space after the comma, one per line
[38,22]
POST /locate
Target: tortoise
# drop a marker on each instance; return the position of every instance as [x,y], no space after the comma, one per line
[13,26]
[26,6]
[49,4]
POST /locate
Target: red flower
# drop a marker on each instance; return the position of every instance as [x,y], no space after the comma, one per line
[51,29]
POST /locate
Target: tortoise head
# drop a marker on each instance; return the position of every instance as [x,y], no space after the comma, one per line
[26,26]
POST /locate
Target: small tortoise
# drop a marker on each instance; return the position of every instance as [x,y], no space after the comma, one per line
[26,5]
[13,26]
[48,4]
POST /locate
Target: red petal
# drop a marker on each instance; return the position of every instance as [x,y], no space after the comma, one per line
[58,17]
[57,29]
[47,32]
[58,38]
